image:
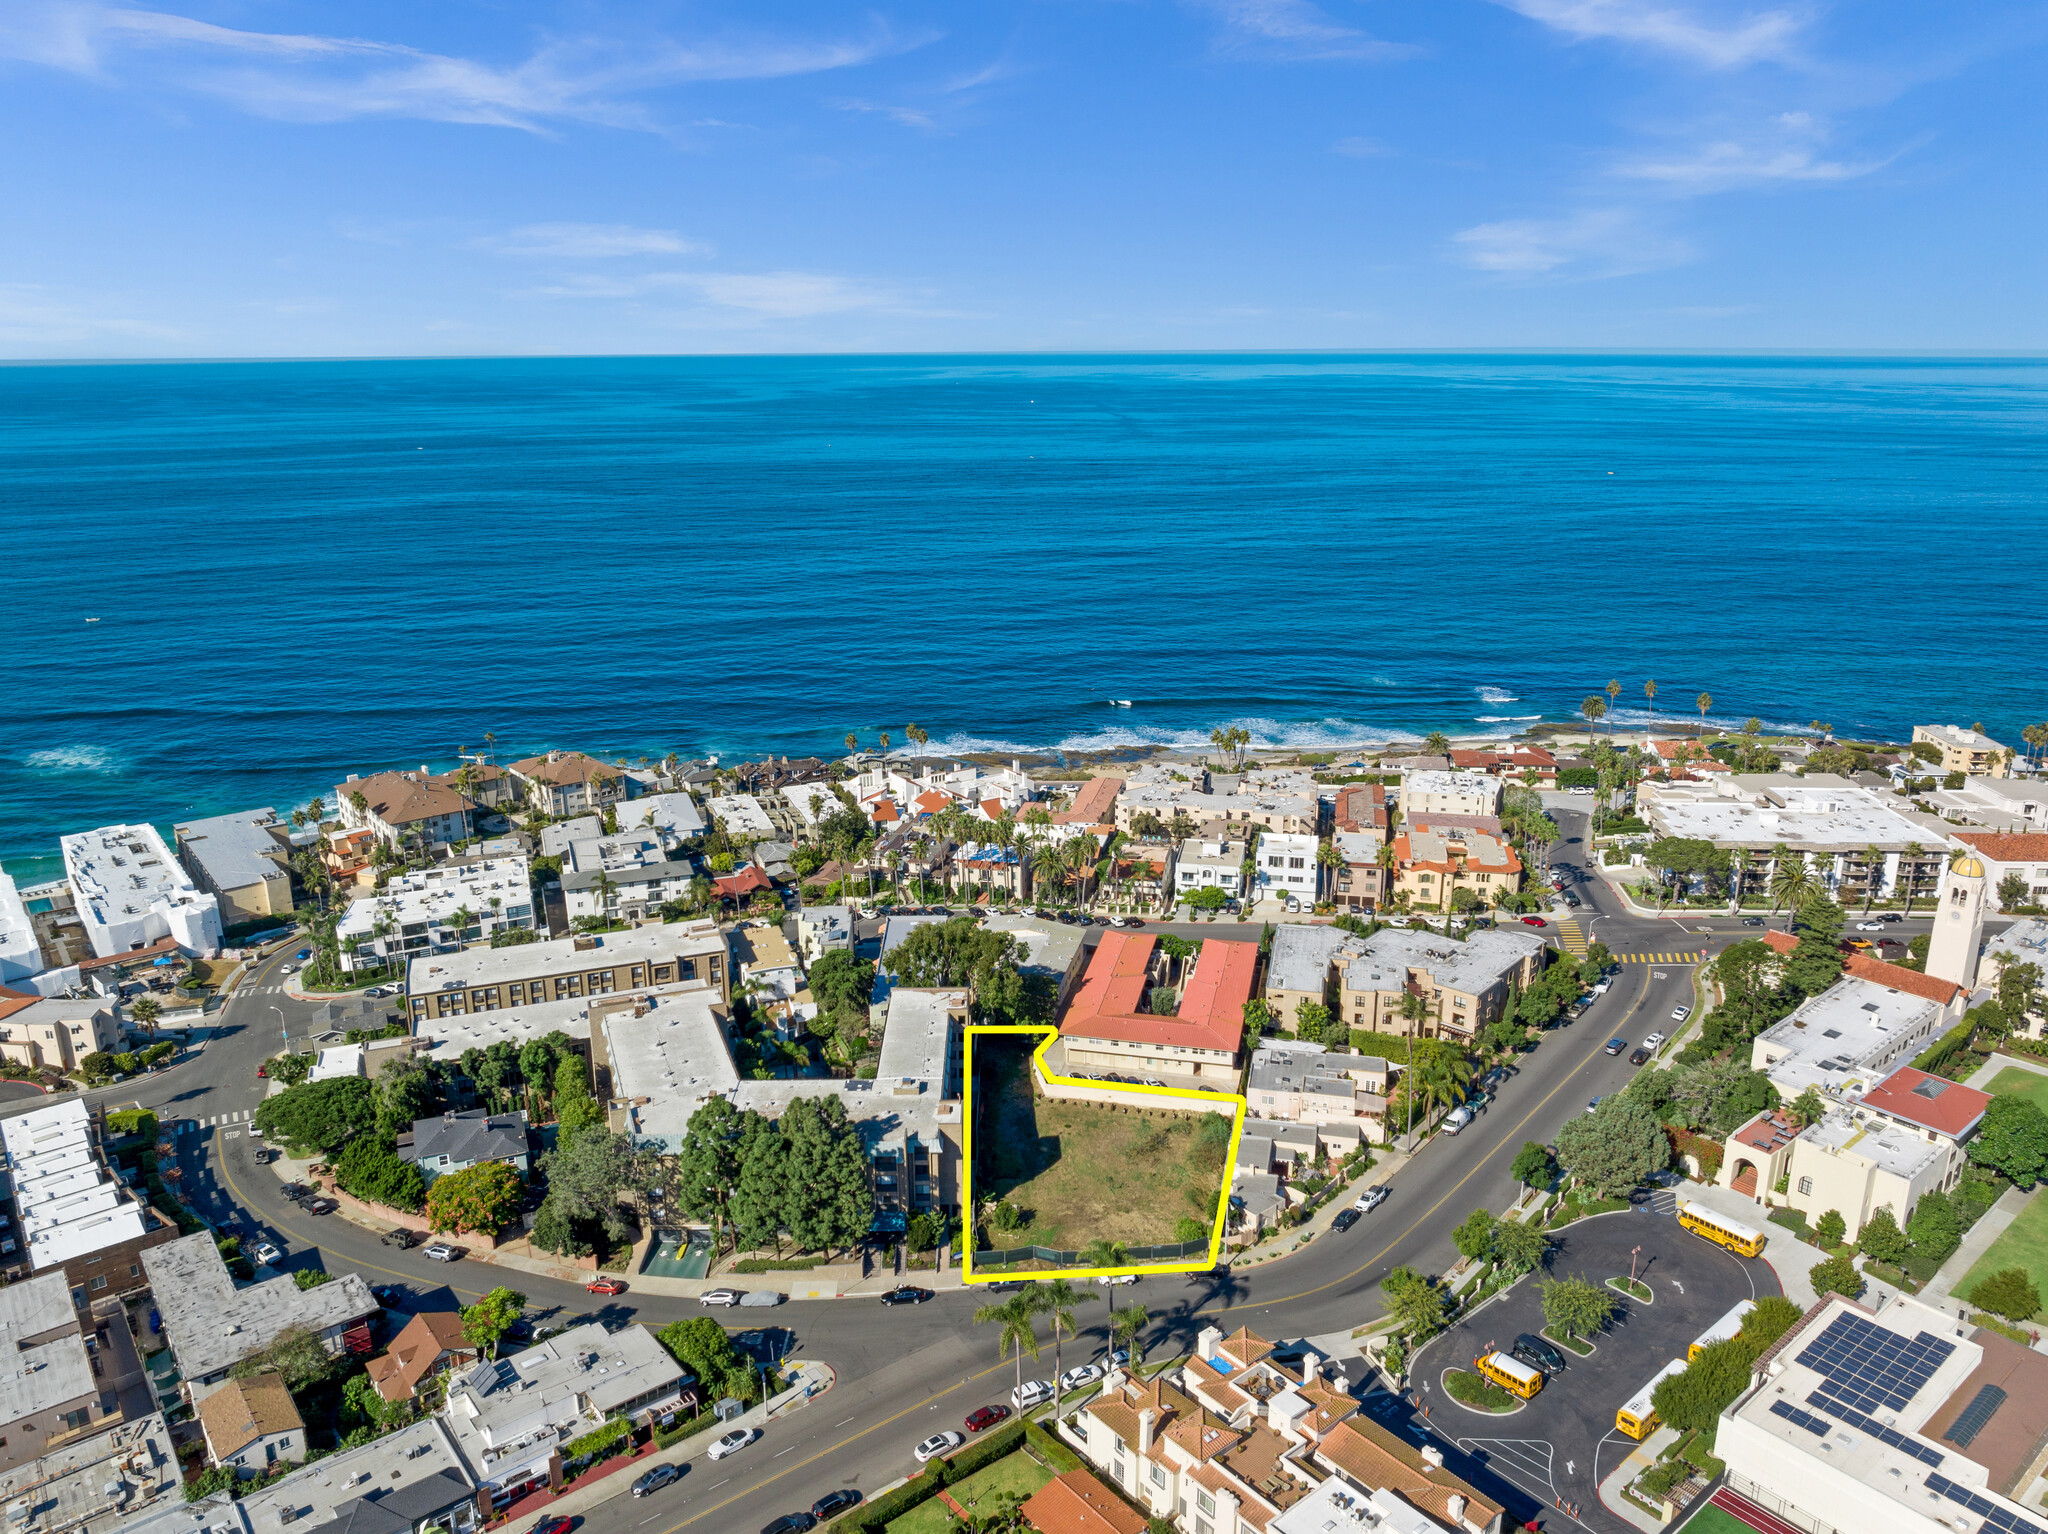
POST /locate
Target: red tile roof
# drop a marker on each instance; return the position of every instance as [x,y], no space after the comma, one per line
[1077,1503]
[1952,1110]
[2003,848]
[1211,1015]
[1092,804]
[1362,807]
[742,881]
[12,1002]
[883,810]
[1860,966]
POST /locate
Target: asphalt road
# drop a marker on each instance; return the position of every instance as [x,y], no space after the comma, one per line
[904,1373]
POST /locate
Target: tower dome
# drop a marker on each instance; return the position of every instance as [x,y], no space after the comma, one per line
[1969,865]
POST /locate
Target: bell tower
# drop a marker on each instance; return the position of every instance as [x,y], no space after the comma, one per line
[1959,924]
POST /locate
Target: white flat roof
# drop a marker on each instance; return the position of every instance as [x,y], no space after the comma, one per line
[1845,1040]
[675,1056]
[1892,1146]
[675,814]
[917,1035]
[560,956]
[120,870]
[519,1026]
[741,815]
[69,1204]
[1753,812]
[433,896]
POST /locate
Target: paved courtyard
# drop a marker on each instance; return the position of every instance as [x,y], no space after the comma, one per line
[1558,1446]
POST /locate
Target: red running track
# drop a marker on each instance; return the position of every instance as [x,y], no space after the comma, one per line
[1741,1507]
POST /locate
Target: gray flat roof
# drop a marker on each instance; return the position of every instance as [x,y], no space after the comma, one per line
[560,956]
[1846,1039]
[918,1034]
[1049,947]
[399,1479]
[1300,960]
[235,850]
[212,1323]
[127,1477]
[1479,962]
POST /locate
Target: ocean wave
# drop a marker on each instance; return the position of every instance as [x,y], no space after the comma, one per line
[72,759]
[1328,734]
[1496,695]
[1504,718]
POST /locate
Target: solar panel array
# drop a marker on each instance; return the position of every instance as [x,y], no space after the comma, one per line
[1877,1430]
[1971,1419]
[1870,1368]
[2003,1520]
[1798,1418]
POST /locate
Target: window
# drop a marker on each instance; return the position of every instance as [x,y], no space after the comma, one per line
[77,1418]
[99,1281]
[1806,1185]
[1205,1502]
[1202,1526]
[1158,1476]
[134,1270]
[1294,863]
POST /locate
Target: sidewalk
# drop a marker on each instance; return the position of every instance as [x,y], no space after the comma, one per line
[1638,1459]
[1282,1243]
[1989,1227]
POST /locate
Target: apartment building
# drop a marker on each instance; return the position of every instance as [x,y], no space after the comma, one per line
[1110,1029]
[565,969]
[1530,765]
[21,955]
[1298,968]
[1969,752]
[436,910]
[2012,805]
[72,1214]
[1296,1083]
[402,808]
[1094,803]
[1287,867]
[628,877]
[1449,793]
[986,866]
[1848,1038]
[1234,1442]
[212,1323]
[243,860]
[56,1388]
[57,1031]
[1213,862]
[1360,882]
[1433,862]
[1463,985]
[569,782]
[1361,807]
[129,892]
[1282,802]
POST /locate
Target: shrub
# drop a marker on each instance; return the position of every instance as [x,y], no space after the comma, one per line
[598,1439]
[485,1198]
[2009,1293]
[124,1122]
[1831,1229]
[1837,1275]
[1474,1390]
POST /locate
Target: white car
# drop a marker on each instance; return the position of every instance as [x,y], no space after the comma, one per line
[1653,1041]
[1031,1393]
[1870,926]
[1079,1375]
[719,1297]
[938,1443]
[1582,789]
[267,1254]
[1109,1280]
[731,1443]
[1371,1198]
[1457,1119]
[1680,1014]
[439,1253]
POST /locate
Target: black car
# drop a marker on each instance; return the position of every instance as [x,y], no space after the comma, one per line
[834,1502]
[1346,1218]
[1752,921]
[907,1295]
[793,1523]
[294,1191]
[390,1296]
[1536,1353]
[1640,1056]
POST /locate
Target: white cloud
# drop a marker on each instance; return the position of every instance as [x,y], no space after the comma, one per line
[1748,39]
[1360,148]
[909,117]
[1722,166]
[584,242]
[32,316]
[782,295]
[1294,29]
[1603,242]
[304,78]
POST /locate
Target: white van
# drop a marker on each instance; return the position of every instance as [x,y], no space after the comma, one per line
[1031,1393]
[1457,1119]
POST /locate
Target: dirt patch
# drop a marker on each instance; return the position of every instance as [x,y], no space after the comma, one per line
[1088,1171]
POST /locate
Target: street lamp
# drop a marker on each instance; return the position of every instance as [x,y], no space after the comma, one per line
[283,1028]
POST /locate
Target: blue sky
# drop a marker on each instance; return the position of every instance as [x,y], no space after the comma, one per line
[285,178]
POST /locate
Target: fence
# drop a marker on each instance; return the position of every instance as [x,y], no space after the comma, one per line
[1010,1257]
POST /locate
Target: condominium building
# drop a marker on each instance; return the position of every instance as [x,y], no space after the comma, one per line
[628,877]
[401,808]
[1463,986]
[1360,882]
[1848,1038]
[52,1391]
[243,860]
[566,969]
[1109,1026]
[1966,751]
[21,955]
[569,782]
[1432,863]
[1287,867]
[212,1323]
[130,892]
[73,1215]
[1449,793]
[437,910]
[1214,862]
[1361,807]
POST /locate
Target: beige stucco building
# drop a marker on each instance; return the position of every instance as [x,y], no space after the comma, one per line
[1966,751]
[57,1032]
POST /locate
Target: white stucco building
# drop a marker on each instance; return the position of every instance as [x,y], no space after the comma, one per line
[437,910]
[131,892]
[1450,793]
[20,954]
[1287,865]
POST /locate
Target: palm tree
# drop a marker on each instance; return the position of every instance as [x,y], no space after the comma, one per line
[1437,743]
[1650,692]
[1792,883]
[1049,862]
[1414,1012]
[1738,865]
[358,802]
[1386,858]
[1124,1326]
[1443,1078]
[1056,1301]
[146,1011]
[1705,701]
[885,742]
[1593,708]
[1017,1316]
[1328,857]
[1910,861]
[1613,691]
[852,744]
[1872,858]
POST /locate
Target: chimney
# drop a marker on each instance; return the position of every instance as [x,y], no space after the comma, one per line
[1455,1507]
[1310,1366]
[1207,1341]
[1433,1457]
[1146,1419]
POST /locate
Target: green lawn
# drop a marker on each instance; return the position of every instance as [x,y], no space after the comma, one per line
[1016,1472]
[2021,1082]
[2023,1245]
[1711,1520]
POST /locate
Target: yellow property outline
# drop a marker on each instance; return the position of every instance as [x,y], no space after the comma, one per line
[967,1273]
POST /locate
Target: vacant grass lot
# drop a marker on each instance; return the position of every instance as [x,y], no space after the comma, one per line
[1086,1171]
[2023,1245]
[1016,1473]
[2021,1082]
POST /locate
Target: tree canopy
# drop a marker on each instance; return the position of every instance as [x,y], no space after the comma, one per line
[2012,1140]
[487,1197]
[1613,1148]
[317,1118]
[485,1322]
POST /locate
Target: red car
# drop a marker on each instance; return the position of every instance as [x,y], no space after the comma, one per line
[553,1526]
[1532,921]
[985,1417]
[604,1286]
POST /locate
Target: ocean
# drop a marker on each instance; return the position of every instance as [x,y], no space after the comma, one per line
[232,584]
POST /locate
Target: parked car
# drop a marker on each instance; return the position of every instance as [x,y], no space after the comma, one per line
[268,1254]
[1680,1013]
[1079,1375]
[265,1155]
[553,1526]
[1030,1394]
[1581,789]
[719,1297]
[731,1443]
[1654,1040]
[1534,921]
[604,1286]
[1457,1119]
[294,1191]
[319,1205]
[401,1238]
[834,1503]
[655,1479]
[755,1298]
[440,1251]
[1639,1056]
[376,993]
[390,1296]
[1537,1353]
[937,1444]
[984,1417]
[262,1071]
[1616,1046]
[1371,1198]
[907,1294]
[793,1523]
[1346,1218]
[1116,1280]
[1593,1106]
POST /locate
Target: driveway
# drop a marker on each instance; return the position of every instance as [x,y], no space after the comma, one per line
[1556,1447]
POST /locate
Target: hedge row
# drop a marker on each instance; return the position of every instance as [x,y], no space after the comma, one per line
[775,1265]
[1050,1449]
[1943,1051]
[597,1439]
[873,1517]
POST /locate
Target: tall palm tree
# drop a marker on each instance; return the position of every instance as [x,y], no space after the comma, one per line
[1650,692]
[1049,862]
[1593,708]
[1910,861]
[1872,861]
[1705,701]
[1329,859]
[1738,866]
[1017,1318]
[1613,691]
[852,744]
[1056,1301]
[1414,1012]
[1437,743]
[1792,883]
[1443,1078]
[1124,1326]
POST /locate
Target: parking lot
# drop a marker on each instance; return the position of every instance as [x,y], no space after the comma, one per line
[1557,1446]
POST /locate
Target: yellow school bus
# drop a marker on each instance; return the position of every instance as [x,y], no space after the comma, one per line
[1511,1374]
[1638,1418]
[1719,1229]
[1723,1330]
